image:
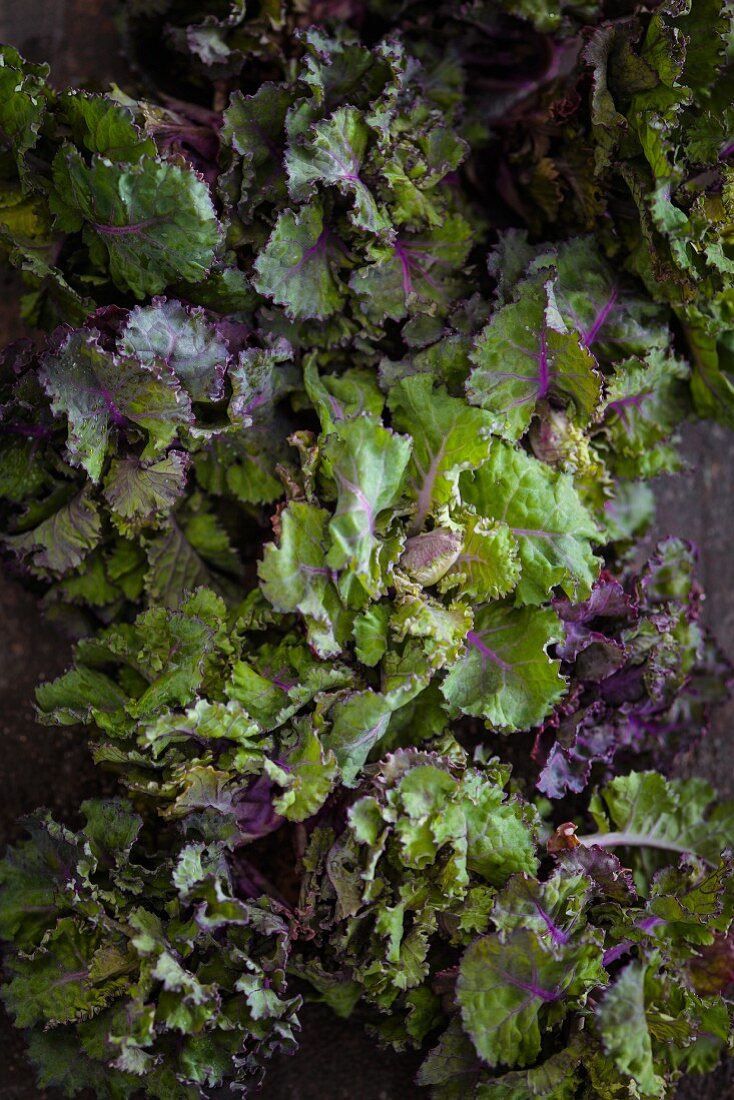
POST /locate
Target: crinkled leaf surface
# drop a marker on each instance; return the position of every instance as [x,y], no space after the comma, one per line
[181,338]
[142,493]
[150,224]
[448,437]
[526,355]
[295,576]
[505,990]
[368,463]
[505,674]
[542,509]
[624,1030]
[100,392]
[299,267]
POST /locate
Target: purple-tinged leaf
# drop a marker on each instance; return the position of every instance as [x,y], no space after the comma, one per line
[101,393]
[526,355]
[184,340]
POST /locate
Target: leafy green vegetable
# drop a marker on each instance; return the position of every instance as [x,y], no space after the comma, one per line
[505,675]
[333,461]
[503,989]
[543,971]
[142,960]
[149,225]
[130,418]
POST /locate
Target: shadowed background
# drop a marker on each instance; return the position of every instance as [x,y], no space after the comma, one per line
[52,767]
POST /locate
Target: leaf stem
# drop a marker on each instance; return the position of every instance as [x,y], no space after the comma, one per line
[632,840]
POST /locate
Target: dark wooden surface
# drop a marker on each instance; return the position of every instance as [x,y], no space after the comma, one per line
[699,506]
[38,766]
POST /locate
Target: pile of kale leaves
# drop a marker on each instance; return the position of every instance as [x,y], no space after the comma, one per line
[360,327]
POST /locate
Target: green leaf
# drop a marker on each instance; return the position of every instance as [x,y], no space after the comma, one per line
[554,910]
[645,402]
[448,437]
[368,463]
[60,1063]
[149,224]
[243,465]
[61,542]
[553,530]
[100,393]
[360,721]
[31,876]
[342,396]
[648,811]
[148,953]
[299,267]
[624,1032]
[453,1066]
[279,679]
[111,828]
[58,983]
[556,1078]
[209,722]
[183,339]
[294,576]
[499,831]
[440,629]
[527,355]
[142,494]
[712,386]
[102,126]
[611,316]
[254,126]
[505,991]
[307,775]
[416,166]
[693,899]
[224,289]
[370,634]
[260,377]
[418,273]
[505,674]
[20,475]
[23,100]
[194,551]
[168,649]
[331,154]
[488,564]
[80,695]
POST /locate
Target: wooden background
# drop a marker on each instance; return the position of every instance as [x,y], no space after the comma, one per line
[49,767]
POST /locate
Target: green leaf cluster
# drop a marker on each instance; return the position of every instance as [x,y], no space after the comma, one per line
[137,964]
[360,362]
